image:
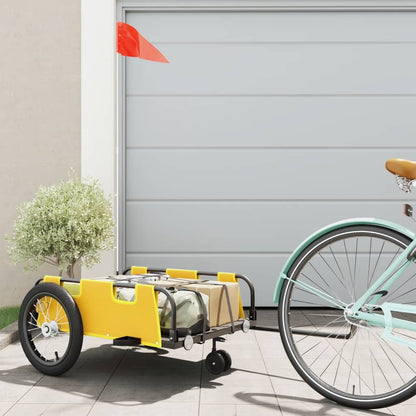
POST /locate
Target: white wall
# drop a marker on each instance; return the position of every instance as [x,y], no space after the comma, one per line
[39,114]
[98,105]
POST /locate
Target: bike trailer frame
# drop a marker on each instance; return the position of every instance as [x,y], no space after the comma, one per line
[137,322]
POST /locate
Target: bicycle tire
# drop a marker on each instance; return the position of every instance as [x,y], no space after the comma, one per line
[50,329]
[347,362]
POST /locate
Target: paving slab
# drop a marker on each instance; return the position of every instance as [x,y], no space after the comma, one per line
[127,381]
[144,409]
[238,410]
[5,406]
[47,409]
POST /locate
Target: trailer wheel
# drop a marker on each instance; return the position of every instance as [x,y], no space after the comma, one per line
[50,328]
[227,359]
[215,362]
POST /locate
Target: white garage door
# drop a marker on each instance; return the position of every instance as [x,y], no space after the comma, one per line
[264,127]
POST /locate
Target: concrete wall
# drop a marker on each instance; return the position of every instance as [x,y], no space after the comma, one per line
[98,106]
[40,118]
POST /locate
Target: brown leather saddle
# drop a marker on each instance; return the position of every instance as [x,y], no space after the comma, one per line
[402,167]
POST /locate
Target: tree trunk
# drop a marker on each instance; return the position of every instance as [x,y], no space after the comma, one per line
[70,270]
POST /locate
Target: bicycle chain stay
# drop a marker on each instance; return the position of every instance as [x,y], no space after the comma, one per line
[390,321]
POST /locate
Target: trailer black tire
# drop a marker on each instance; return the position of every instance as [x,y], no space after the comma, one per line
[227,359]
[52,342]
[215,362]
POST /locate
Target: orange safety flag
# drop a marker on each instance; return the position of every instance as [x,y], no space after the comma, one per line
[131,43]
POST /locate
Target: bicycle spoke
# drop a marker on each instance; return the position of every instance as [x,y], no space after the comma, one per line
[333,294]
[351,365]
[339,362]
[334,273]
[355,262]
[349,269]
[58,311]
[402,294]
[394,258]
[391,362]
[329,364]
[34,319]
[37,336]
[319,274]
[353,355]
[311,280]
[41,306]
[375,266]
[402,285]
[340,353]
[359,370]
[302,286]
[342,274]
[306,302]
[382,372]
[47,310]
[320,329]
[310,349]
[317,357]
[408,365]
[59,321]
[369,262]
[404,335]
[372,365]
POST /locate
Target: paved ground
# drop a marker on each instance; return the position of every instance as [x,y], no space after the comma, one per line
[109,380]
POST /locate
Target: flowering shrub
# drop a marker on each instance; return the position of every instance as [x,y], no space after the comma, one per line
[64,225]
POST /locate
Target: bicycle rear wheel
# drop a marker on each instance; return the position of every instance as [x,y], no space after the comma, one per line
[348,362]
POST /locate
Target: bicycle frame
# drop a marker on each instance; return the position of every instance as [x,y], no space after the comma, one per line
[363,307]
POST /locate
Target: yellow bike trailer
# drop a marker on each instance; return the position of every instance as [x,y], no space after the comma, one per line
[56,314]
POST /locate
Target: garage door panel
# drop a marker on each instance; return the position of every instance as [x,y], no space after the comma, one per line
[284,69]
[264,127]
[273,121]
[274,27]
[258,227]
[250,174]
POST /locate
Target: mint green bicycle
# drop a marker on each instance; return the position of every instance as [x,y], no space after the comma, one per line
[347,308]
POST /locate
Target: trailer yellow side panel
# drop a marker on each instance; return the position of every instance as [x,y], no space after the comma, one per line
[230,277]
[104,316]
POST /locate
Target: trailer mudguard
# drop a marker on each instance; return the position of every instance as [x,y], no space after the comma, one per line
[327,229]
